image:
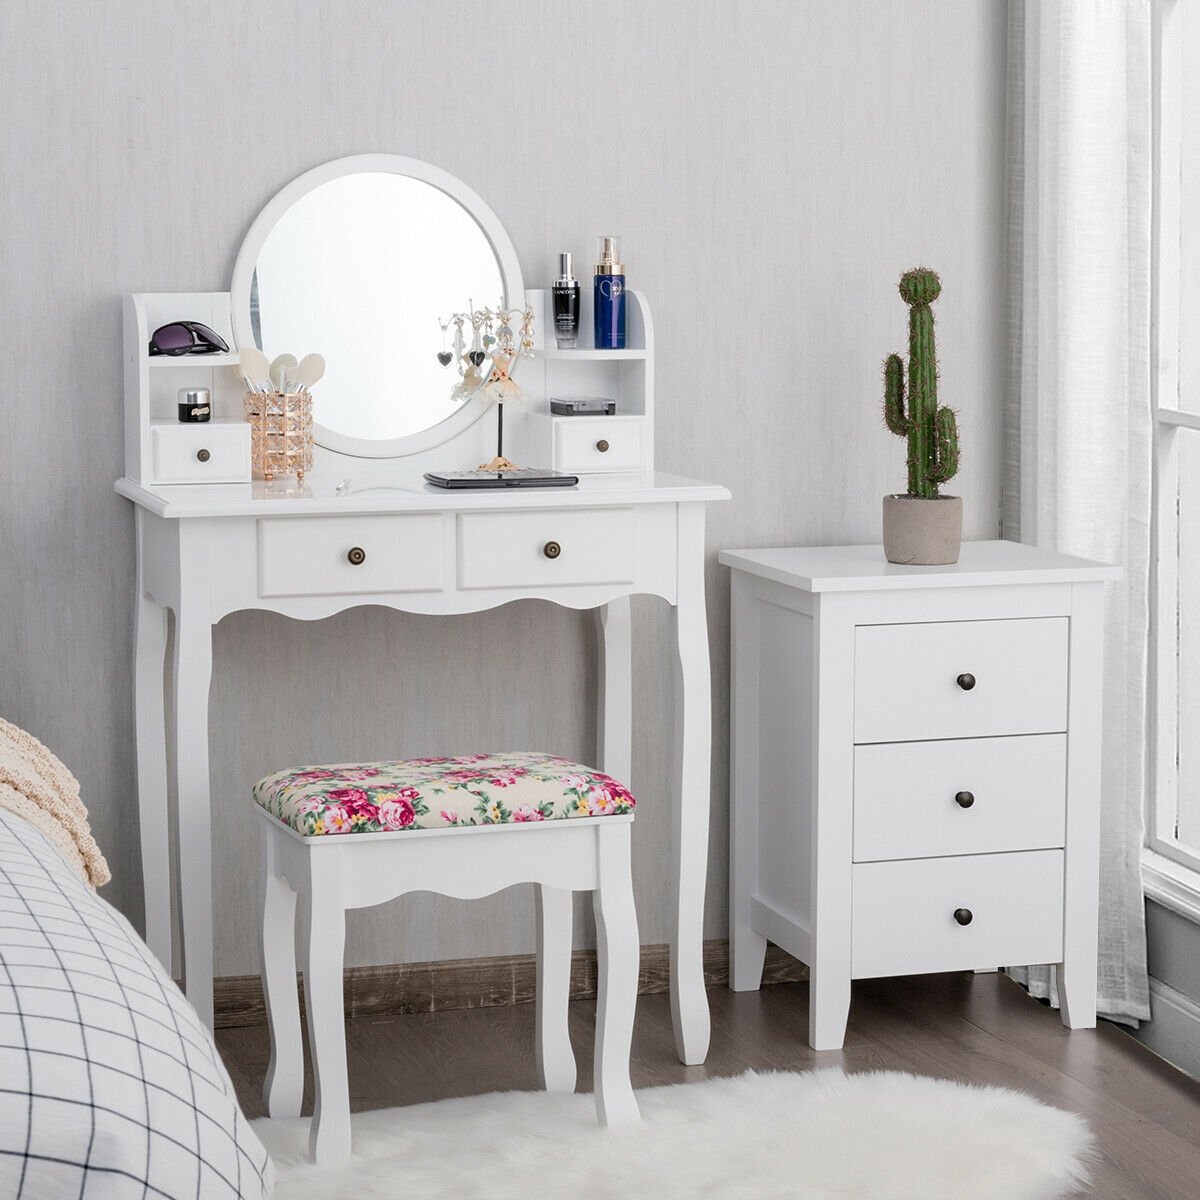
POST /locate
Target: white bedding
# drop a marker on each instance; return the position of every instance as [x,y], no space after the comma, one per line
[110,1086]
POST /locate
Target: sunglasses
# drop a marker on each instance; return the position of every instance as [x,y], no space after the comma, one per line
[186,337]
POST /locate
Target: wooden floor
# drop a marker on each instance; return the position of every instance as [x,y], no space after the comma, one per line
[980,1029]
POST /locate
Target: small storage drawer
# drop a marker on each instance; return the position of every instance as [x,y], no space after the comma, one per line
[904,918]
[971,796]
[540,548]
[212,452]
[322,556]
[589,444]
[960,679]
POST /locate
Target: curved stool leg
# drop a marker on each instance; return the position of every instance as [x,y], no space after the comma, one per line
[555,1058]
[284,1085]
[617,953]
[324,945]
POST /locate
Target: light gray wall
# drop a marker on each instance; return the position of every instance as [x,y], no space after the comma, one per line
[1173,960]
[773,167]
[1173,950]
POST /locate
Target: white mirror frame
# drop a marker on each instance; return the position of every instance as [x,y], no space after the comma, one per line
[510,273]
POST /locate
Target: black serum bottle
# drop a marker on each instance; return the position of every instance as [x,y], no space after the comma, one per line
[566,304]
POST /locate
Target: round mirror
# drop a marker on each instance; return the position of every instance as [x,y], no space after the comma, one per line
[361,260]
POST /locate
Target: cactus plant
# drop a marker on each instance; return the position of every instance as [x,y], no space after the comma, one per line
[932,432]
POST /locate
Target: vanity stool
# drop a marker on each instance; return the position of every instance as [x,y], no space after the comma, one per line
[355,835]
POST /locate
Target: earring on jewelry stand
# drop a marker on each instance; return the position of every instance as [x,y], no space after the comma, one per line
[476,354]
[444,355]
[460,344]
[527,333]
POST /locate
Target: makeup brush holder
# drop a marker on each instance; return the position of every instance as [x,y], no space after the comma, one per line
[281,436]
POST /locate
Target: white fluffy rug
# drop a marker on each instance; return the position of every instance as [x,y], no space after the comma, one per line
[819,1135]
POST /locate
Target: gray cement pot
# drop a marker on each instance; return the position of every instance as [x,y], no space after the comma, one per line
[926,533]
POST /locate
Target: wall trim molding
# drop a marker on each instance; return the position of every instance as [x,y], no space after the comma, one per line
[1173,1032]
[1171,884]
[400,988]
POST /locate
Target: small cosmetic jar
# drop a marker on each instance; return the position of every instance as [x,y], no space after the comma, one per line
[195,405]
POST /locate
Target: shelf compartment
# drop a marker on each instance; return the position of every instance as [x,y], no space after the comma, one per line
[231,359]
[588,354]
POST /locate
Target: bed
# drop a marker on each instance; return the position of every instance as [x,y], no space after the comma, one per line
[110,1086]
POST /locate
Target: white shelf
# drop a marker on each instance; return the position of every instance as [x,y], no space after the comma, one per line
[172,423]
[588,354]
[231,359]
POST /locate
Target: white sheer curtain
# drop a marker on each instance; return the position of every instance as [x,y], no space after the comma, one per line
[1077,464]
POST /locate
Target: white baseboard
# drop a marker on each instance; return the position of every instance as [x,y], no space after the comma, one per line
[1173,1032]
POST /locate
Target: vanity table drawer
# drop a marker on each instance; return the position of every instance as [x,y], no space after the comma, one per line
[352,555]
[906,915]
[211,452]
[960,679]
[969,796]
[551,548]
[592,444]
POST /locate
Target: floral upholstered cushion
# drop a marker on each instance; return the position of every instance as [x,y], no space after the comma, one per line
[433,793]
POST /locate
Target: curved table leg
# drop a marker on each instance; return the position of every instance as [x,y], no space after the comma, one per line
[323,936]
[617,976]
[284,1084]
[150,736]
[555,1057]
[690,803]
[614,735]
[193,674]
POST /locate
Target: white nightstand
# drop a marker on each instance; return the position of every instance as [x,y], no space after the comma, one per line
[915,767]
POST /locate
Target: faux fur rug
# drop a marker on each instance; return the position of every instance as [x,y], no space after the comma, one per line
[820,1135]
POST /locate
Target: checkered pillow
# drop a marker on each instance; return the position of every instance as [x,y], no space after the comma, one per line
[110,1086]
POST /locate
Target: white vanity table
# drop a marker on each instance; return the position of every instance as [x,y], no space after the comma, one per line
[364,528]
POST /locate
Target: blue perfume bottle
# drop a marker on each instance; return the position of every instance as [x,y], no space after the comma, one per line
[610,296]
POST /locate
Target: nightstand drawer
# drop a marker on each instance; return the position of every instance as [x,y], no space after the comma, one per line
[960,679]
[589,444]
[551,548]
[969,796]
[326,556]
[205,452]
[955,914]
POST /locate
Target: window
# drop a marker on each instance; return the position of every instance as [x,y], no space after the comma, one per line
[1173,822]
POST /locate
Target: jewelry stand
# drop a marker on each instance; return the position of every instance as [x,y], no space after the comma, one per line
[500,472]
[498,385]
[499,463]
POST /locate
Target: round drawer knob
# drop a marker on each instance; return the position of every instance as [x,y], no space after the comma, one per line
[963,916]
[966,681]
[203,455]
[964,799]
[602,445]
[356,556]
[551,549]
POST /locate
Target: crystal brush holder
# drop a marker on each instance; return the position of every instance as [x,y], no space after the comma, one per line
[281,437]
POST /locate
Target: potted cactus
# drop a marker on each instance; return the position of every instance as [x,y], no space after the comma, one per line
[921,526]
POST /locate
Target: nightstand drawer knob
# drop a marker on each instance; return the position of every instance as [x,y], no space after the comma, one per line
[203,455]
[602,445]
[964,799]
[963,916]
[551,549]
[356,556]
[966,681]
